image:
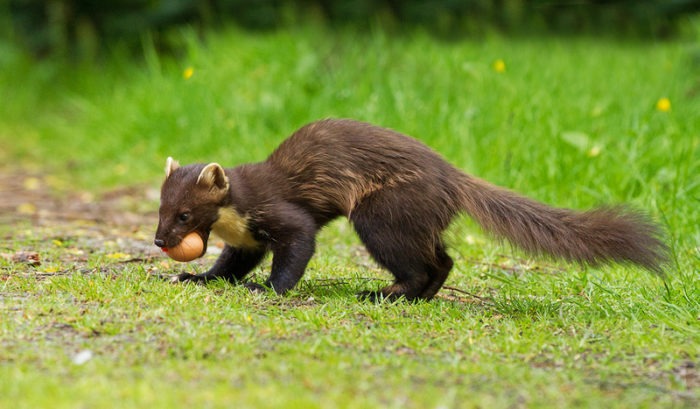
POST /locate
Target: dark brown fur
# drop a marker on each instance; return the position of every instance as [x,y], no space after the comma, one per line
[398,194]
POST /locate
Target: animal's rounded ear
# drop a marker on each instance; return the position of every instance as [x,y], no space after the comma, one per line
[170,166]
[213,177]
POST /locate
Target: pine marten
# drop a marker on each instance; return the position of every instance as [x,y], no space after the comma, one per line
[397,193]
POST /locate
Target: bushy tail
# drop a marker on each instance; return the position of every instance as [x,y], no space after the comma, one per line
[602,235]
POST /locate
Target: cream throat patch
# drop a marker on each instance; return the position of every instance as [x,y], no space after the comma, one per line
[232,228]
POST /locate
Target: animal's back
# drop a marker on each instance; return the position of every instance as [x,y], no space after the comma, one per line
[335,163]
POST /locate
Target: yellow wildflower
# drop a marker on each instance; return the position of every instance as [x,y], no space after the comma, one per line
[26,208]
[32,183]
[499,65]
[663,105]
[593,152]
[118,256]
[187,74]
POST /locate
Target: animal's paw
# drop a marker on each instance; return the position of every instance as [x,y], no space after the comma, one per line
[379,297]
[183,277]
[256,288]
[371,296]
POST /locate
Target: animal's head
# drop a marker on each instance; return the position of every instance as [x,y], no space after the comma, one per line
[190,199]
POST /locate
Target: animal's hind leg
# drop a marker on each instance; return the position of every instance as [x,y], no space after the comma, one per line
[401,228]
[410,275]
[399,250]
[438,270]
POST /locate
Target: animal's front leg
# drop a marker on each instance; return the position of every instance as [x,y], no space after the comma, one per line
[292,242]
[233,265]
[289,263]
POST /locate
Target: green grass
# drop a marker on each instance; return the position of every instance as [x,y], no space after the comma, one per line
[571,122]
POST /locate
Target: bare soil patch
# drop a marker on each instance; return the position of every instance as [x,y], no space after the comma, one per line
[38,212]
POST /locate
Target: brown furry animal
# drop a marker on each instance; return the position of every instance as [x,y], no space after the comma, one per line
[398,194]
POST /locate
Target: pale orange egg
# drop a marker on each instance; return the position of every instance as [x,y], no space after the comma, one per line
[189,248]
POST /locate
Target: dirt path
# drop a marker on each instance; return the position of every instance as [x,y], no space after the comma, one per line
[37,213]
[42,199]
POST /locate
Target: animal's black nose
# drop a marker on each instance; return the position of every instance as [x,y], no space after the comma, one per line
[159,242]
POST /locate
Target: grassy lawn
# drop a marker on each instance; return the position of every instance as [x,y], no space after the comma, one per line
[573,122]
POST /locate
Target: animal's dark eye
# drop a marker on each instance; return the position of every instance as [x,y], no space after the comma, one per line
[183,217]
